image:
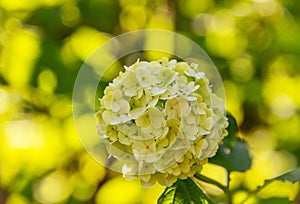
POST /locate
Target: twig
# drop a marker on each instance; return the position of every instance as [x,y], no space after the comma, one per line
[201,177]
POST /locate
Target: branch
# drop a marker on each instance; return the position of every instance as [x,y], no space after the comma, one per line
[211,181]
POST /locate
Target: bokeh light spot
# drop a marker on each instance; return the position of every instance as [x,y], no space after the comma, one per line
[133,17]
[265,7]
[228,46]
[23,134]
[283,106]
[201,23]
[70,15]
[161,19]
[242,69]
[120,191]
[53,188]
[16,198]
[13,5]
[257,136]
[233,103]
[19,57]
[125,3]
[47,81]
[191,8]
[4,100]
[85,40]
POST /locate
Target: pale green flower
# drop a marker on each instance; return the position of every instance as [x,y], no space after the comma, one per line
[181,144]
[131,84]
[198,147]
[145,78]
[177,107]
[144,150]
[152,124]
[162,143]
[193,73]
[172,91]
[167,76]
[143,121]
[151,132]
[146,169]
[113,118]
[130,170]
[130,129]
[120,151]
[141,103]
[161,120]
[165,161]
[190,131]
[124,139]
[117,108]
[185,87]
[115,101]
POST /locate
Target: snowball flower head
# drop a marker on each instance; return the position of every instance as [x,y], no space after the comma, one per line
[161,120]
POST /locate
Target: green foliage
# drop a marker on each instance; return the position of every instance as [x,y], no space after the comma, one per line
[274,201]
[292,176]
[233,154]
[184,192]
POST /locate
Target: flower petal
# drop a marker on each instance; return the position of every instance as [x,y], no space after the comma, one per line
[135,113]
[158,90]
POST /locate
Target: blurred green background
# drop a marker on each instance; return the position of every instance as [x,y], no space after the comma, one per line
[254,43]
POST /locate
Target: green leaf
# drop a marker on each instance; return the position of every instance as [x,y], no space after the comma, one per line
[275,201]
[233,154]
[232,127]
[292,176]
[184,192]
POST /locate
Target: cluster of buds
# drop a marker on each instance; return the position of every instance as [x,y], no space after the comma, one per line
[161,120]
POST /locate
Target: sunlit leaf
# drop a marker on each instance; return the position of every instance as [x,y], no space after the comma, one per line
[290,177]
[233,154]
[184,192]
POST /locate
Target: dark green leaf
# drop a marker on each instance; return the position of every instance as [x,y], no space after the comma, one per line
[184,192]
[232,128]
[292,176]
[233,154]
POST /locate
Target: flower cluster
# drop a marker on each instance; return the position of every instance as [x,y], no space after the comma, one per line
[161,120]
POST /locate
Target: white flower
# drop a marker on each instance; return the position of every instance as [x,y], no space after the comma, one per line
[167,76]
[145,78]
[145,150]
[115,102]
[193,73]
[131,84]
[177,107]
[113,118]
[161,120]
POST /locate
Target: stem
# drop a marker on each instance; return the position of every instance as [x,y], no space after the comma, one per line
[211,181]
[228,194]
